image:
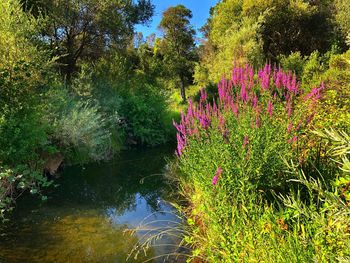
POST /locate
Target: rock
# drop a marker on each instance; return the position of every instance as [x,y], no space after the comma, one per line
[52,163]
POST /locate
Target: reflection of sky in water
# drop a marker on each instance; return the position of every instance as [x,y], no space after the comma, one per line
[85,218]
[134,216]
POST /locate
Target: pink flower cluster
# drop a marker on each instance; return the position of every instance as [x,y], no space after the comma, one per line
[216,176]
[244,89]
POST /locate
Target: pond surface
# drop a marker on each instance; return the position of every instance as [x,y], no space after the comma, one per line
[93,214]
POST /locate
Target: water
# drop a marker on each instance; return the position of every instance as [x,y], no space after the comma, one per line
[91,215]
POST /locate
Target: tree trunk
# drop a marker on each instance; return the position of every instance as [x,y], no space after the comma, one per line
[69,59]
[182,89]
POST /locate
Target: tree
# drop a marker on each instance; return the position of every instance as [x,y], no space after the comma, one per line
[342,17]
[302,26]
[22,61]
[87,28]
[242,31]
[178,46]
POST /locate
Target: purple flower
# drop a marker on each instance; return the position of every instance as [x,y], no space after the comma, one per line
[257,122]
[180,144]
[309,119]
[204,122]
[190,108]
[234,108]
[244,95]
[203,95]
[215,108]
[270,108]
[216,176]
[255,101]
[221,125]
[294,139]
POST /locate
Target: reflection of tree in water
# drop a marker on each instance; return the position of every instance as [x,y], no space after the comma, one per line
[116,184]
[83,238]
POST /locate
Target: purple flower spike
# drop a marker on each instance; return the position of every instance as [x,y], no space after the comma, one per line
[255,101]
[203,95]
[244,95]
[217,175]
[270,108]
[257,123]
[180,145]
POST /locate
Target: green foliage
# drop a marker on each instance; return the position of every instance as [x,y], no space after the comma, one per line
[15,181]
[307,26]
[18,35]
[294,62]
[335,109]
[86,29]
[333,69]
[201,75]
[342,18]
[145,116]
[252,31]
[128,91]
[238,46]
[22,62]
[24,67]
[23,138]
[83,134]
[232,39]
[340,149]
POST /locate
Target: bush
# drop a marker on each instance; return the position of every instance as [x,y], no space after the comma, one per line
[146,115]
[83,133]
[294,62]
[23,138]
[335,104]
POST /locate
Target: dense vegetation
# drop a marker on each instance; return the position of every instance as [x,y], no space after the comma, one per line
[77,84]
[263,148]
[263,159]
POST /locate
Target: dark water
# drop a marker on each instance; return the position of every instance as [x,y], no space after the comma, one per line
[91,215]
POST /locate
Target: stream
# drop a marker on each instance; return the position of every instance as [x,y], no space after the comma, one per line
[98,213]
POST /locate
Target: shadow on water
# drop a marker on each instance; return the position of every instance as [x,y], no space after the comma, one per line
[91,215]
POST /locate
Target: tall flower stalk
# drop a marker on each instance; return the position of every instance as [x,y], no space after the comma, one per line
[245,91]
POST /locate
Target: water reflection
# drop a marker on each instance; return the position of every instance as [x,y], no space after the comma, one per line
[88,218]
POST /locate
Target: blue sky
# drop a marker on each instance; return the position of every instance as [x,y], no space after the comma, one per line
[200,10]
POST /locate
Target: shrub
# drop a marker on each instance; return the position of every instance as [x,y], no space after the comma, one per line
[334,110]
[133,99]
[23,138]
[146,114]
[294,62]
[83,133]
